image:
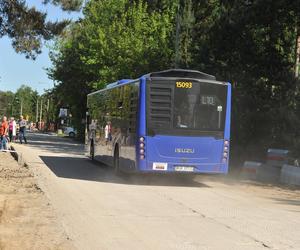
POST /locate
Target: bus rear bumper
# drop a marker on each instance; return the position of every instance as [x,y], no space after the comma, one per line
[164,167]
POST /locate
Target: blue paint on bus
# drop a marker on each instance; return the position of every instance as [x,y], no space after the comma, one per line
[163,140]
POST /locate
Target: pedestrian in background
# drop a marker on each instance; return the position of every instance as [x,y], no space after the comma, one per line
[12,129]
[22,130]
[3,133]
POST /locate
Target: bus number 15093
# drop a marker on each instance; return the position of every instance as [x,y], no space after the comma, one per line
[184,85]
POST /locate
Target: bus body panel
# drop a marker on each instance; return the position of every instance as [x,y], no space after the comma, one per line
[112,125]
[203,154]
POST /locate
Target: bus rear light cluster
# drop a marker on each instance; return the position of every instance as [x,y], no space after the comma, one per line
[225,151]
[142,148]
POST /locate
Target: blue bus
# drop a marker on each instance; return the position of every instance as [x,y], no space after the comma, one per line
[170,121]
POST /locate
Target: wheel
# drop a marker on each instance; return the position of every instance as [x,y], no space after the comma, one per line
[71,134]
[92,151]
[117,161]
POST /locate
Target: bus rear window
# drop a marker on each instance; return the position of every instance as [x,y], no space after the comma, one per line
[199,106]
[186,107]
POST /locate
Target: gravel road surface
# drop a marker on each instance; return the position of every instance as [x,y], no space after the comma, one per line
[102,211]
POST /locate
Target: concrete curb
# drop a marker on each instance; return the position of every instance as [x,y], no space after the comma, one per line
[18,156]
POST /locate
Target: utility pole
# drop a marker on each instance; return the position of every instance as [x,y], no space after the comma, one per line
[21,108]
[37,111]
[48,103]
[41,113]
[47,117]
[297,63]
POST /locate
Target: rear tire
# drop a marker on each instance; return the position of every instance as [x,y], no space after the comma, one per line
[92,151]
[72,134]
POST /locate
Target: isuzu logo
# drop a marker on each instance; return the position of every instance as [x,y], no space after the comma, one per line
[184,150]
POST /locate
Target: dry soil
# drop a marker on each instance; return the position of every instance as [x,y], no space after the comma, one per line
[27,219]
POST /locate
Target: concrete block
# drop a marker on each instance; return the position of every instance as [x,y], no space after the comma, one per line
[290,175]
[267,173]
[249,169]
[277,157]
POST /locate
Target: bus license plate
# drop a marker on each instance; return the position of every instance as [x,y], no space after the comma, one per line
[184,168]
[160,166]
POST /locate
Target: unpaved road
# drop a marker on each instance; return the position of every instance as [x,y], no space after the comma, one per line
[101,211]
[27,220]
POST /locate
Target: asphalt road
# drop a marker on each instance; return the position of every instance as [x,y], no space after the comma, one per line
[101,211]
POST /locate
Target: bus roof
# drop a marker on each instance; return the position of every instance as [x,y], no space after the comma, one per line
[180,73]
[184,73]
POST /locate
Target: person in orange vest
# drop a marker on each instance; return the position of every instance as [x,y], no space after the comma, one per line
[3,133]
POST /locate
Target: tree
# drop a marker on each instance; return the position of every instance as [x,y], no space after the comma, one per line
[25,102]
[6,103]
[252,44]
[27,27]
[184,34]
[115,40]
[22,102]
[249,43]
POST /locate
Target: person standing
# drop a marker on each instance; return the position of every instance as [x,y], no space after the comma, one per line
[12,127]
[22,130]
[3,133]
[107,131]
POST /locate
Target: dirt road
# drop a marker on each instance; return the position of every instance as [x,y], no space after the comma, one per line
[101,211]
[27,220]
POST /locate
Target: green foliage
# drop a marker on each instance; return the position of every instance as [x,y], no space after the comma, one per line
[184,35]
[116,39]
[252,44]
[249,43]
[67,5]
[27,27]
[11,104]
[124,40]
[6,102]
[25,101]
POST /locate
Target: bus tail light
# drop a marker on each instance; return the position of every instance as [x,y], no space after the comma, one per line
[225,151]
[142,148]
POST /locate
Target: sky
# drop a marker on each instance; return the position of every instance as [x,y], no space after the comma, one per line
[16,70]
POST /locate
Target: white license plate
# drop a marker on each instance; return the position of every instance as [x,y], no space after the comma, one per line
[160,166]
[184,168]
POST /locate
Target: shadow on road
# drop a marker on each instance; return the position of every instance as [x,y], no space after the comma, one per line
[294,202]
[55,144]
[84,169]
